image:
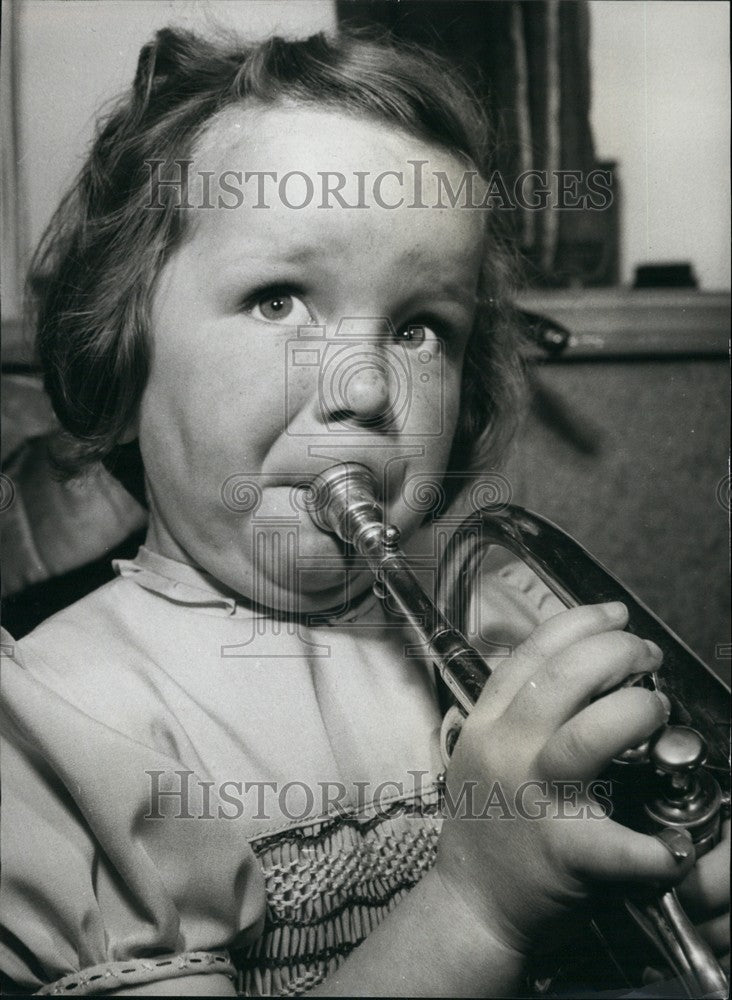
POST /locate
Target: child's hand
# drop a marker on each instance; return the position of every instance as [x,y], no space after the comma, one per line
[536,723]
[704,894]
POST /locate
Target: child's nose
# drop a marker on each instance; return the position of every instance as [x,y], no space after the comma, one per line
[366,394]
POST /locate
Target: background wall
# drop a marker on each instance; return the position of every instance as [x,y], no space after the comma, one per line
[661,107]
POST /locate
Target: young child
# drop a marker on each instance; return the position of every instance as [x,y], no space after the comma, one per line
[227,757]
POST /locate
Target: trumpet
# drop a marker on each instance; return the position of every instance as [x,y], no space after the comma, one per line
[677,781]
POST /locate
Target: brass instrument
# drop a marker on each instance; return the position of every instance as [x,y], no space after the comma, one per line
[677,792]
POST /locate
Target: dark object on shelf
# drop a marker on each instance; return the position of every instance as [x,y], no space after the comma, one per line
[545,333]
[673,275]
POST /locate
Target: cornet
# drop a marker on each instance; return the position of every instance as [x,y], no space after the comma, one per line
[677,781]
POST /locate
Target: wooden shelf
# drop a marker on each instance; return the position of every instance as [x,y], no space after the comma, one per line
[632,324]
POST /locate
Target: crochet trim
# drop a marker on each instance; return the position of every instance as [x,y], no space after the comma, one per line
[116,975]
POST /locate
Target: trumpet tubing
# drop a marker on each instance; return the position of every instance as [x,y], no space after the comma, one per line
[344,500]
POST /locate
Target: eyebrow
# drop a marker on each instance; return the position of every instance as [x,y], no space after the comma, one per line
[456,288]
[302,253]
[443,285]
[269,253]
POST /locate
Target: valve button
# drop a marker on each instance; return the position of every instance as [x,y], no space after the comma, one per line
[679,750]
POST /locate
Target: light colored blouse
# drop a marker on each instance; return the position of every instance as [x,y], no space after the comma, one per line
[192,786]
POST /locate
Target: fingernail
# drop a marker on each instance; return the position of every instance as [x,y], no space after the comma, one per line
[665,702]
[615,611]
[654,651]
[678,843]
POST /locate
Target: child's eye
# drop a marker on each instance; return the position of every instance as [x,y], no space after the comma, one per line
[414,334]
[278,307]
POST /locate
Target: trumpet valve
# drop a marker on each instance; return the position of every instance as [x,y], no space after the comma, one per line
[689,797]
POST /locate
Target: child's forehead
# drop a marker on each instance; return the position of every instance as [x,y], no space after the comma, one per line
[288,154]
[288,135]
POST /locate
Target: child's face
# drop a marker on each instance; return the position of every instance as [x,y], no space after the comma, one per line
[233,399]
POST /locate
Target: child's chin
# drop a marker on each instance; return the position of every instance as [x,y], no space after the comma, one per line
[313,595]
[321,591]
[301,590]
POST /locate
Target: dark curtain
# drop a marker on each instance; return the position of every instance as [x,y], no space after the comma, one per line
[529,63]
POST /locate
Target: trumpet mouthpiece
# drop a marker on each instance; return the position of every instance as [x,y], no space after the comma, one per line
[343,501]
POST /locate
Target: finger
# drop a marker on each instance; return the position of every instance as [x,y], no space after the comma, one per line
[606,851]
[584,746]
[704,893]
[716,933]
[565,683]
[548,639]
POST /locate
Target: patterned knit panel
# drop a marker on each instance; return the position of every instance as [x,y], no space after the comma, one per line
[329,884]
